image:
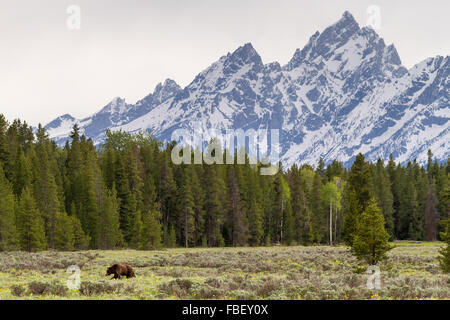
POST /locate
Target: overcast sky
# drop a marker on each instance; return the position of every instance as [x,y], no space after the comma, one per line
[124,48]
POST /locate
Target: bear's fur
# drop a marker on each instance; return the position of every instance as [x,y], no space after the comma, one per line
[119,270]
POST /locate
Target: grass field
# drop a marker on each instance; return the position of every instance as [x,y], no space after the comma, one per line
[320,272]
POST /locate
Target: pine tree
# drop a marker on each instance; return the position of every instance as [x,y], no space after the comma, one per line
[44,186]
[281,209]
[81,240]
[198,194]
[444,258]
[360,188]
[73,182]
[151,230]
[8,232]
[288,226]
[136,231]
[185,209]
[383,193]
[252,203]
[30,224]
[236,223]
[4,149]
[352,215]
[127,202]
[431,213]
[109,166]
[360,180]
[167,194]
[171,238]
[407,209]
[21,172]
[64,238]
[92,190]
[214,205]
[371,239]
[109,235]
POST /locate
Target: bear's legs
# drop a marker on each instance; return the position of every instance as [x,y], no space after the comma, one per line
[116,276]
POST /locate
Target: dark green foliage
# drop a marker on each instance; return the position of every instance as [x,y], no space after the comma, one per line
[444,258]
[8,232]
[236,221]
[129,194]
[360,180]
[185,210]
[30,224]
[64,237]
[151,230]
[109,235]
[81,240]
[371,239]
[353,210]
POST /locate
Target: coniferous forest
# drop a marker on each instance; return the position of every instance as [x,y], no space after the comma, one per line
[128,194]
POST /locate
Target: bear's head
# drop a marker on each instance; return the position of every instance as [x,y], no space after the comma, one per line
[110,270]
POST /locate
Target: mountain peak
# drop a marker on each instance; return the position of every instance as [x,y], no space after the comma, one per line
[323,44]
[117,105]
[391,55]
[347,16]
[165,90]
[345,24]
[66,117]
[245,54]
[344,93]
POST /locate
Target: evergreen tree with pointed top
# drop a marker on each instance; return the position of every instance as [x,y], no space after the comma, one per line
[127,202]
[282,213]
[8,232]
[109,235]
[21,173]
[4,148]
[198,194]
[185,209]
[236,222]
[361,181]
[254,208]
[214,205]
[383,193]
[371,239]
[352,212]
[64,237]
[44,184]
[30,224]
[136,231]
[167,194]
[151,230]
[81,240]
[444,258]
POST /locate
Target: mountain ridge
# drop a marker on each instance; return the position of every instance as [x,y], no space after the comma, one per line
[343,93]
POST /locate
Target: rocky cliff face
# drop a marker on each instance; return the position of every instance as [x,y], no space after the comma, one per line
[345,92]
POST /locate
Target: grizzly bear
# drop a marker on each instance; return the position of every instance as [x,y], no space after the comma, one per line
[119,270]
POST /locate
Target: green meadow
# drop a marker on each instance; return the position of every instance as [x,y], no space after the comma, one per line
[316,272]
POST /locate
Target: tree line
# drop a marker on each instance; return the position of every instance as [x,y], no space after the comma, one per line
[129,194]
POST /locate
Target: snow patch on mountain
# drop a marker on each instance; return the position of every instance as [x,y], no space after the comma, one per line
[344,92]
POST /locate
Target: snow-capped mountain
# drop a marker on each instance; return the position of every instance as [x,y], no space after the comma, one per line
[345,92]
